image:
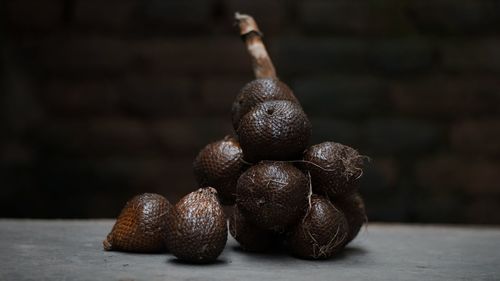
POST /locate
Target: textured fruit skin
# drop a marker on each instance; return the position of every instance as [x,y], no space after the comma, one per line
[141,225]
[321,233]
[272,195]
[197,227]
[274,130]
[250,237]
[257,91]
[341,167]
[354,210]
[219,165]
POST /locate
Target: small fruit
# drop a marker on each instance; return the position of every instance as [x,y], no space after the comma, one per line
[321,233]
[197,228]
[141,225]
[274,130]
[354,210]
[334,167]
[219,164]
[258,91]
[250,237]
[273,195]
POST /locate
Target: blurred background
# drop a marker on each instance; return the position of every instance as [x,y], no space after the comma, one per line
[105,99]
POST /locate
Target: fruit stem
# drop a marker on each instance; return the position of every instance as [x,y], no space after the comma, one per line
[249,31]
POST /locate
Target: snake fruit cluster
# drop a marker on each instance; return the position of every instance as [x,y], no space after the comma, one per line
[284,192]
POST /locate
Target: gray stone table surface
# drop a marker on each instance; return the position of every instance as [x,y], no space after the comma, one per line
[72,250]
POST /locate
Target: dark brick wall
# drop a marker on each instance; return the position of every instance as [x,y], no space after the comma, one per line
[105,99]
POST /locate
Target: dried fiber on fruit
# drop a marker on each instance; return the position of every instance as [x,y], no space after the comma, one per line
[334,168]
[322,231]
[141,225]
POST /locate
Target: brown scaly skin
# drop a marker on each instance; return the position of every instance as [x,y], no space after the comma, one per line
[219,164]
[141,225]
[272,195]
[274,130]
[263,135]
[258,91]
[197,227]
